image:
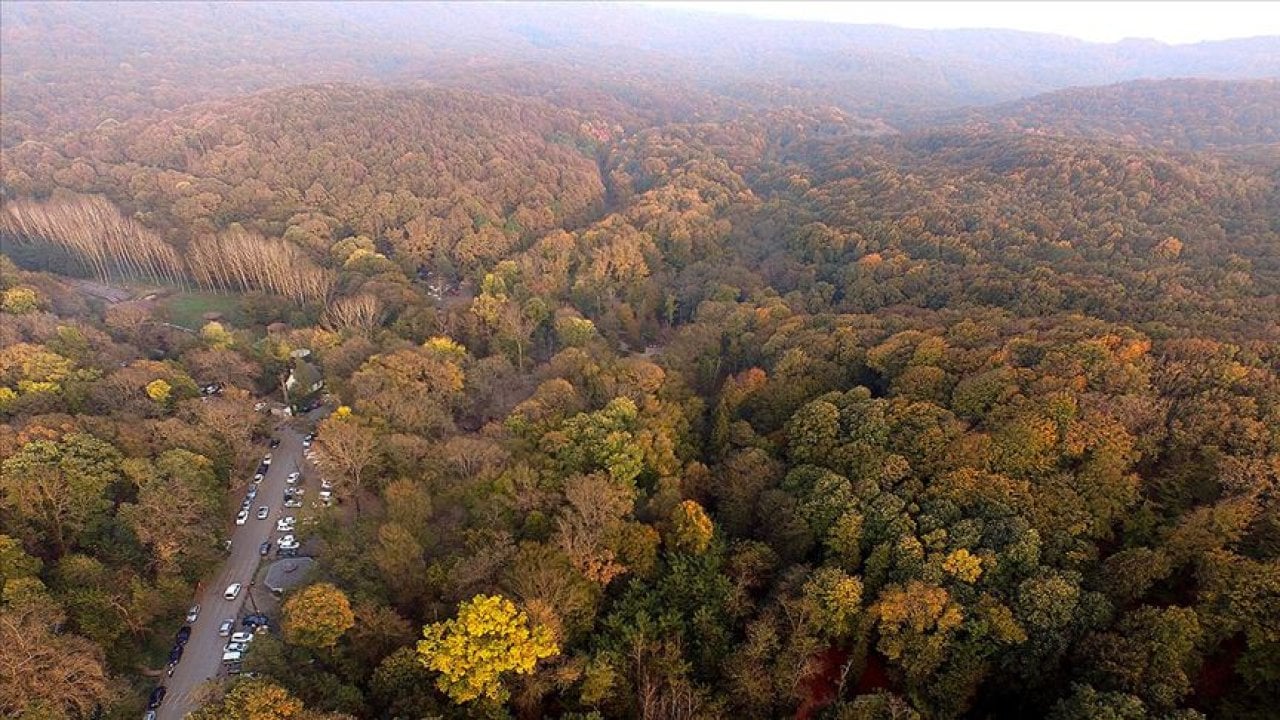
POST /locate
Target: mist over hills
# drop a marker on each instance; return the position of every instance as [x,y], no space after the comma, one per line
[632,363]
[71,66]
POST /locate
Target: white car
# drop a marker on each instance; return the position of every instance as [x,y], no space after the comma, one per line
[263,512]
[326,485]
[258,478]
[286,524]
[242,637]
[233,591]
[231,657]
[225,628]
[266,459]
[242,516]
[293,478]
[235,647]
[193,614]
[288,543]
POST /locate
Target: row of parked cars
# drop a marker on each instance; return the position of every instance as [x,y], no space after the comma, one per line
[252,493]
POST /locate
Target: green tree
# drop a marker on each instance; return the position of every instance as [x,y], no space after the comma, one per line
[60,486]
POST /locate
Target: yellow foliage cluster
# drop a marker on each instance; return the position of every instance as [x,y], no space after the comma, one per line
[963,565]
[159,390]
[489,637]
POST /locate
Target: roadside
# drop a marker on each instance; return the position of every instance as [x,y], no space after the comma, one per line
[201,660]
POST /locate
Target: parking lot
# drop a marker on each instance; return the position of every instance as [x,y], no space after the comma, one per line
[256,540]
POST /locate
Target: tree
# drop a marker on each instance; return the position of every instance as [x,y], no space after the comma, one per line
[488,639]
[60,486]
[916,622]
[253,700]
[177,514]
[19,301]
[159,391]
[317,616]
[44,673]
[414,390]
[347,446]
[691,529]
[216,335]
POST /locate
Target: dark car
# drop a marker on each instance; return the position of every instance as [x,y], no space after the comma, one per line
[264,548]
[157,697]
[184,634]
[286,552]
[255,620]
[275,443]
[175,655]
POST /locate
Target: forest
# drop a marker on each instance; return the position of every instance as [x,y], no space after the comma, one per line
[649,393]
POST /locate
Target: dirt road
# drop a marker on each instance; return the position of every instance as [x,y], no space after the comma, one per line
[202,659]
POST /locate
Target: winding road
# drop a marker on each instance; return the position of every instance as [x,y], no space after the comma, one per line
[202,658]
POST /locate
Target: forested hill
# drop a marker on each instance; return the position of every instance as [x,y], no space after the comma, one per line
[83,65]
[1186,114]
[673,368]
[461,177]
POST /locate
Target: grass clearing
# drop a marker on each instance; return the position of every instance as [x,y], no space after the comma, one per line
[188,309]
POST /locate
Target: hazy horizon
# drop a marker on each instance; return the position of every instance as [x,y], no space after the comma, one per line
[1175,23]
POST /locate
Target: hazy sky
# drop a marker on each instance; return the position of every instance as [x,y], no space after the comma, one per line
[1171,22]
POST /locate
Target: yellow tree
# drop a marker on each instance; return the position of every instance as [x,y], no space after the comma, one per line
[691,529]
[489,637]
[159,391]
[254,700]
[317,616]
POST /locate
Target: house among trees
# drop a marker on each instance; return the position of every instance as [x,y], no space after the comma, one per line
[304,380]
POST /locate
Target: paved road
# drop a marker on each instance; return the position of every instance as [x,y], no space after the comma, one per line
[202,659]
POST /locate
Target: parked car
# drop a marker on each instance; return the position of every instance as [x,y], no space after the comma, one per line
[224,630]
[242,637]
[263,512]
[233,591]
[242,517]
[157,697]
[293,503]
[275,443]
[231,657]
[253,492]
[175,655]
[255,620]
[235,647]
[149,715]
[264,548]
[306,444]
[258,478]
[245,504]
[193,614]
[184,634]
[266,459]
[288,552]
[293,477]
[285,524]
[326,485]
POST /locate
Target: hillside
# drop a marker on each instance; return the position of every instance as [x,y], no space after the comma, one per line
[74,68]
[460,176]
[1181,114]
[586,361]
